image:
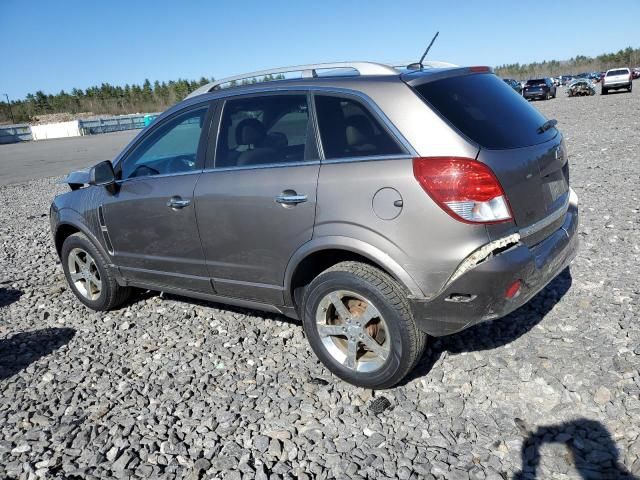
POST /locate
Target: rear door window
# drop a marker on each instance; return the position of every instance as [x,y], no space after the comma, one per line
[486,110]
[261,130]
[617,72]
[348,129]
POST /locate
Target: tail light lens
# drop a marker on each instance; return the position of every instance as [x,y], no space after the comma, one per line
[464,188]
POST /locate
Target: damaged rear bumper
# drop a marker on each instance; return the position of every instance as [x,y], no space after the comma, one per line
[478,293]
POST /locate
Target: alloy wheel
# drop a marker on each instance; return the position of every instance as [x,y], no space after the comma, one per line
[84,273]
[353,331]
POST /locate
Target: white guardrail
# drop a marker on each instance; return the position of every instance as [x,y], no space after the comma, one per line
[25,132]
[56,130]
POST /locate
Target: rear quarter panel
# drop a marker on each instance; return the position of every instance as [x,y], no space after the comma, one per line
[424,240]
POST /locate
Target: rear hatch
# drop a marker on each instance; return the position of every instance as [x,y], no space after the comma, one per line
[534,86]
[530,164]
[617,76]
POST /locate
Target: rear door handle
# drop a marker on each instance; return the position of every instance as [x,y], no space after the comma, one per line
[178,202]
[288,198]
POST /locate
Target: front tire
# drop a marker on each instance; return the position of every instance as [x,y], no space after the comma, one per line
[89,275]
[359,325]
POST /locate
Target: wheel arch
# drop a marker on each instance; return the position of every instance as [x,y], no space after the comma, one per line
[70,222]
[316,256]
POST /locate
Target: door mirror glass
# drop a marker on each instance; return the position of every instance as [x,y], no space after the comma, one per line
[102,174]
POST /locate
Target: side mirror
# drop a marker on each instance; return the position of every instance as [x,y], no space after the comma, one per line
[102,174]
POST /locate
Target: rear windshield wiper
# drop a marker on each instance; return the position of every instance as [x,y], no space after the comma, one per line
[547,125]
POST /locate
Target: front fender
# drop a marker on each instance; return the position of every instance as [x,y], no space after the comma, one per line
[349,244]
[71,218]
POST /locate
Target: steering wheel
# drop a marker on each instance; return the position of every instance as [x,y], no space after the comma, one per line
[143,171]
[181,163]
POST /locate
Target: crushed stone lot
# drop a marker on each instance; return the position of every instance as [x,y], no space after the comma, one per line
[167,387]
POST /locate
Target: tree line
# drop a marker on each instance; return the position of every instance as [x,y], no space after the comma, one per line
[628,57]
[116,100]
[109,99]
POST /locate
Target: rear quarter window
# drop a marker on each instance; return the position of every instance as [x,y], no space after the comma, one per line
[486,110]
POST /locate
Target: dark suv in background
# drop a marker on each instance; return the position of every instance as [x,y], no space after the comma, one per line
[380,207]
[541,88]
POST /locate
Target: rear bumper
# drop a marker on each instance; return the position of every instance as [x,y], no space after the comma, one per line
[537,94]
[487,283]
[624,84]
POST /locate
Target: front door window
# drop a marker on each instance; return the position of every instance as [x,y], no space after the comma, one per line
[171,148]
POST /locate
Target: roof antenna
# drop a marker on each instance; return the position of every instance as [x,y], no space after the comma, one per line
[419,65]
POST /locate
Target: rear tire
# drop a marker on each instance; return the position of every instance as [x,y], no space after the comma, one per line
[359,325]
[604,91]
[89,275]
[630,87]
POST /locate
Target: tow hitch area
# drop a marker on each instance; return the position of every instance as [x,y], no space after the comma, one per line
[460,298]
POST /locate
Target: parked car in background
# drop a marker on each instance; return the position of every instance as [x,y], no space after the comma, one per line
[246,196]
[513,84]
[615,79]
[635,73]
[566,79]
[581,87]
[540,88]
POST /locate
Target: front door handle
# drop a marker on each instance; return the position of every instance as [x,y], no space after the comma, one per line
[290,198]
[178,202]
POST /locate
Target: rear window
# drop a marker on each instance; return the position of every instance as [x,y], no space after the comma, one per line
[486,110]
[618,72]
[531,83]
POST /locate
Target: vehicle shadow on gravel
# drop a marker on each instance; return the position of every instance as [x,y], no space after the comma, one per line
[9,296]
[22,349]
[589,449]
[496,333]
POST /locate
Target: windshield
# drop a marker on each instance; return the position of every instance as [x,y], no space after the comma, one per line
[486,110]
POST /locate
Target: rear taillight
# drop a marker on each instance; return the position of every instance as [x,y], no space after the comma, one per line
[464,188]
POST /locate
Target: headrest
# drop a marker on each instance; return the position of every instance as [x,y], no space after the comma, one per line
[250,131]
[359,130]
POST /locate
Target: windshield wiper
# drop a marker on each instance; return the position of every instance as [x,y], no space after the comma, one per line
[547,125]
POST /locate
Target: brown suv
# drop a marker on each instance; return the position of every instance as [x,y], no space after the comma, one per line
[378,206]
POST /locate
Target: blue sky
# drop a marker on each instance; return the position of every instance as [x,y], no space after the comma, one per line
[54,45]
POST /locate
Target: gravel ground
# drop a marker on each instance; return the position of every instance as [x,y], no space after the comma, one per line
[172,388]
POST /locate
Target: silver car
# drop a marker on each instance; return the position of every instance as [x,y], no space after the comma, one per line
[379,206]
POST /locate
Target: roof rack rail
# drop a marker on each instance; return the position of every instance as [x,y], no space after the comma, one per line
[308,71]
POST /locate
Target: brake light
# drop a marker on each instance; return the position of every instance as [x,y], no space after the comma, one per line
[479,69]
[513,290]
[464,188]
